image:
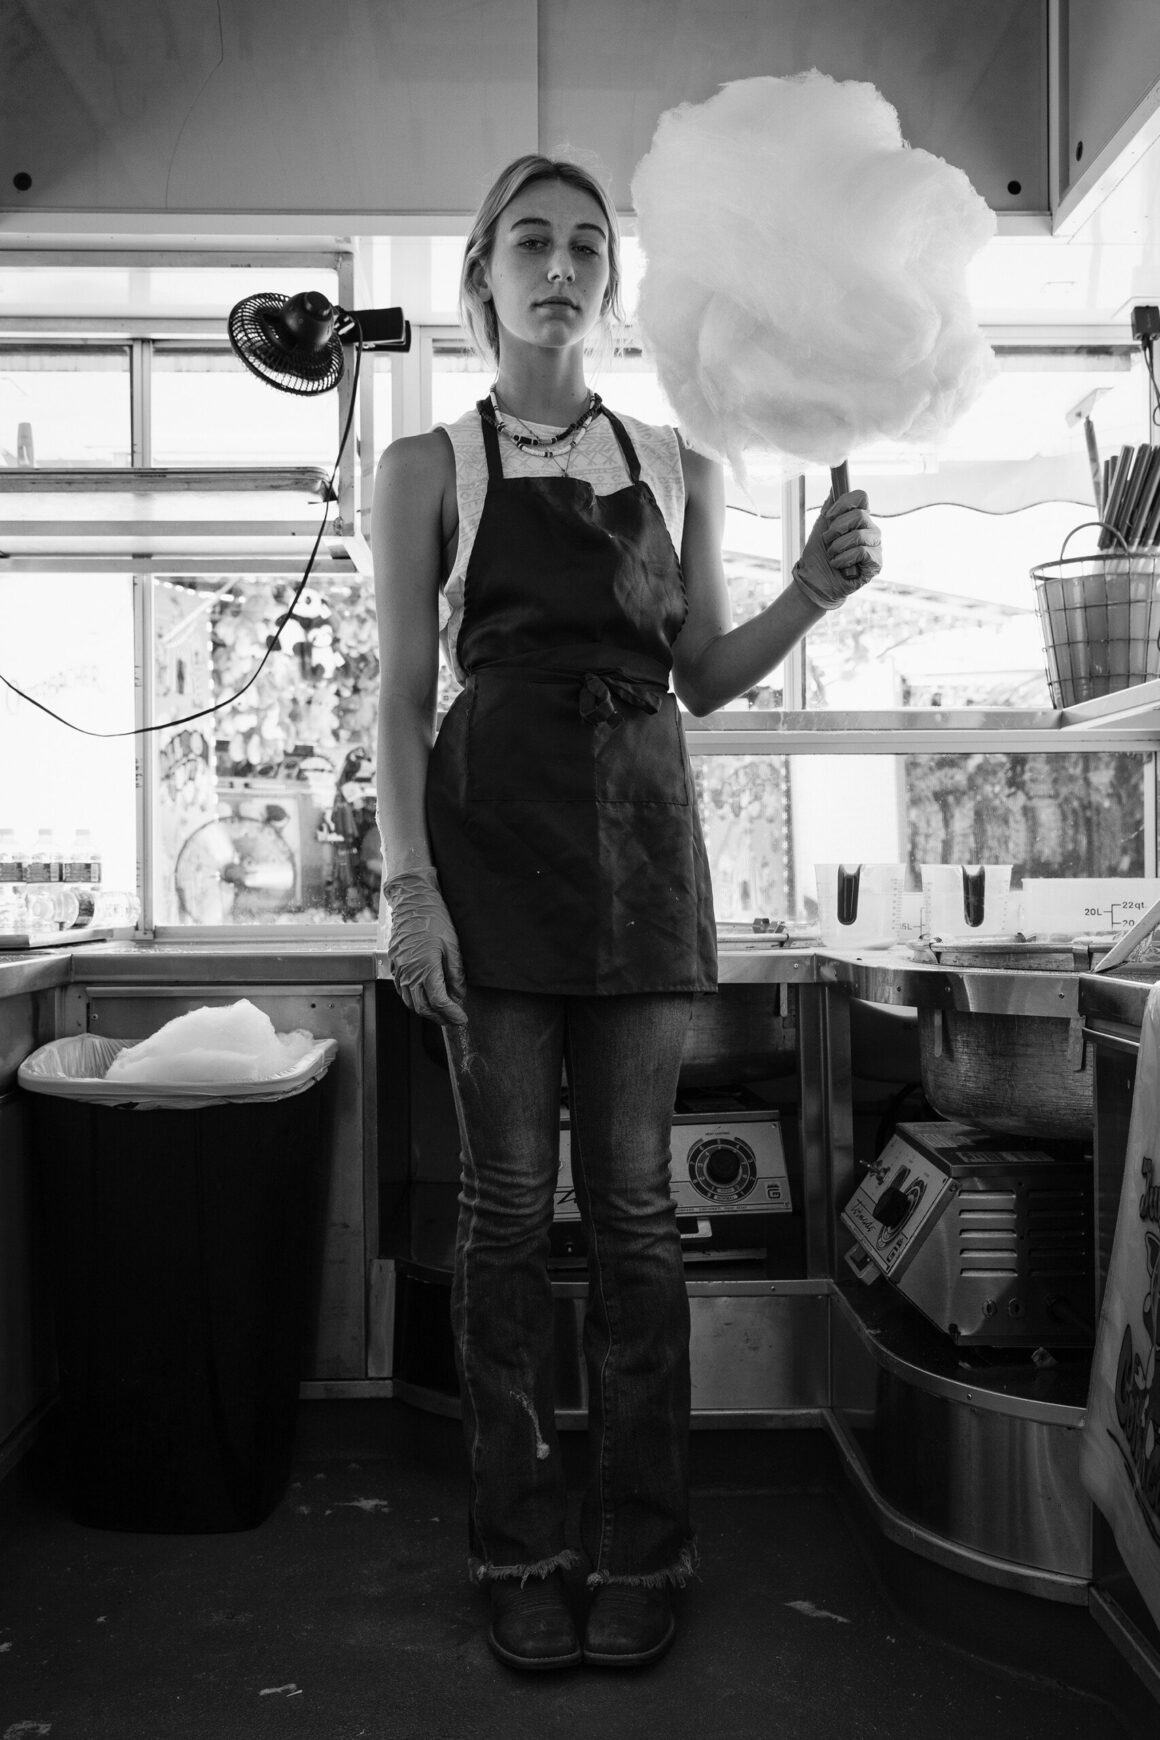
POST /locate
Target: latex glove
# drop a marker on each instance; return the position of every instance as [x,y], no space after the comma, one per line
[843,551]
[423,949]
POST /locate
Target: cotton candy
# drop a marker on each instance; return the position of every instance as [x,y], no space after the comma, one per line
[237,1043]
[805,282]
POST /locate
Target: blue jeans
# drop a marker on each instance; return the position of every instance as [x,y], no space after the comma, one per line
[622,1056]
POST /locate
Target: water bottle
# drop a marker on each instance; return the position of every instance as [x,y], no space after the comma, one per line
[13,916]
[80,876]
[43,908]
[39,862]
[114,907]
[49,904]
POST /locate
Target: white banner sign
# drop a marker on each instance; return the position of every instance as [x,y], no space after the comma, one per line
[1120,1456]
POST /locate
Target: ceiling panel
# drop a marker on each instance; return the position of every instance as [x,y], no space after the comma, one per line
[263,106]
[969,81]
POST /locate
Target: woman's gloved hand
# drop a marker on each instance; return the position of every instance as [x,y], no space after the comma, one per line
[423,949]
[843,551]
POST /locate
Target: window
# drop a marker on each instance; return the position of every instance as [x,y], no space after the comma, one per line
[262,813]
[68,644]
[65,405]
[769,819]
[208,409]
[265,811]
[953,620]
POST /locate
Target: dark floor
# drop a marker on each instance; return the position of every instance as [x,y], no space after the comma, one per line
[348,1614]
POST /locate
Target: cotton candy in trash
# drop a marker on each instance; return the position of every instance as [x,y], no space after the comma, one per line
[235,1043]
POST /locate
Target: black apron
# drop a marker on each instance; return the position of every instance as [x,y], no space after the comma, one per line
[560,800]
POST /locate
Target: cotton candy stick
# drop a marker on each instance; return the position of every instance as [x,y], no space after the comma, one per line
[805,283]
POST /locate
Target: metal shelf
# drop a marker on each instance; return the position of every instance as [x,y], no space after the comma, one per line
[1129,721]
[174,518]
[162,480]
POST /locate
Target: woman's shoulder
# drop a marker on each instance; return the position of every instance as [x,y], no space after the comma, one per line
[662,433]
[658,444]
[415,459]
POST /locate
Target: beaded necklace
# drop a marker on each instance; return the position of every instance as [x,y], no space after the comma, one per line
[548,446]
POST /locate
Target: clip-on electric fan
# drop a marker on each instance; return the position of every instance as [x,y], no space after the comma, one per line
[295,342]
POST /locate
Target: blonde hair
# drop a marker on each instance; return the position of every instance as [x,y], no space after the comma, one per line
[478,314]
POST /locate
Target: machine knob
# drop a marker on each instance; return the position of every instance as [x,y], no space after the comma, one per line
[723,1165]
[892,1207]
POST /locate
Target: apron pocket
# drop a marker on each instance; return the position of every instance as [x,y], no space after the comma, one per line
[526,742]
[643,760]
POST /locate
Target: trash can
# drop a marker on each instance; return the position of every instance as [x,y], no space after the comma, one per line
[179,1226]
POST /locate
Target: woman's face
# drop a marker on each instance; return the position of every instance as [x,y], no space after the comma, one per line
[548,270]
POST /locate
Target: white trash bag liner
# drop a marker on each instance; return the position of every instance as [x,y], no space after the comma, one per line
[206,1057]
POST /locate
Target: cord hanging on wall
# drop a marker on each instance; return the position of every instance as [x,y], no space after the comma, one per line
[295,342]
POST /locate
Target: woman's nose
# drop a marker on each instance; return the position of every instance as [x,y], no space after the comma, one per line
[560,265]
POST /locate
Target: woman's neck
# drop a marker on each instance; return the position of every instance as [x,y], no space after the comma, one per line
[543,393]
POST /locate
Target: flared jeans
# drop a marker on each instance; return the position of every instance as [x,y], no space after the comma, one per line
[621,1056]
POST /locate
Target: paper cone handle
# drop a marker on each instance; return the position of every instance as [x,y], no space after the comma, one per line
[840,478]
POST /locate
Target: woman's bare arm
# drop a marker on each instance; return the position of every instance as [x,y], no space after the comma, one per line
[407,537]
[713,662]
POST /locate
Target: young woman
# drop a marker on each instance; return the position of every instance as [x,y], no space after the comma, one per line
[548,888]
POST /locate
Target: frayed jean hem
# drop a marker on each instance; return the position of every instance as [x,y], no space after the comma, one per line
[480,1571]
[674,1577]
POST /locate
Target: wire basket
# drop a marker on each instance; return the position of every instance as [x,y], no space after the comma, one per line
[1100,617]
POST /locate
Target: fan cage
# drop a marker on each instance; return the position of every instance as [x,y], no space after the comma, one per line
[302,370]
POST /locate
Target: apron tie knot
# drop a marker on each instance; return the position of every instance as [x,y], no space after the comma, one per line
[596,697]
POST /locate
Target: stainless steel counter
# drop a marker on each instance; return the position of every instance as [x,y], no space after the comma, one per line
[754,965]
[1117,999]
[334,960]
[34,970]
[883,976]
[893,976]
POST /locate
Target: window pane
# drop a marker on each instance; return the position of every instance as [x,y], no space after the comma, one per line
[81,667]
[458,379]
[216,289]
[266,811]
[769,819]
[64,405]
[1020,444]
[952,619]
[43,290]
[208,409]
[169,290]
[952,622]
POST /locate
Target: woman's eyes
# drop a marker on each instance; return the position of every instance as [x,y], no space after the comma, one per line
[536,243]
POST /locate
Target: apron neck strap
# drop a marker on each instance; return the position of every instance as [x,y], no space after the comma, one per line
[626,446]
[490,442]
